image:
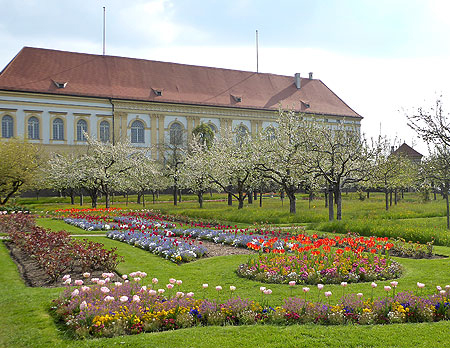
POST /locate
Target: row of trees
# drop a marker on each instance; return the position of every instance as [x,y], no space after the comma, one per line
[298,154]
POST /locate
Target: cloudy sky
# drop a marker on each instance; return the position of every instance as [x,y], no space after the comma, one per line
[382,57]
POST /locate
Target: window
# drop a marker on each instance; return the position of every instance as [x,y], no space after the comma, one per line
[58,129]
[81,130]
[241,134]
[104,131]
[213,127]
[137,132]
[33,128]
[176,134]
[270,133]
[7,126]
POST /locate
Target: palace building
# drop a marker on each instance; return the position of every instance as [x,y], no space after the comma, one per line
[52,97]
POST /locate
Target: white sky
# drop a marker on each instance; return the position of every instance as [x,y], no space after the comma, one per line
[383,58]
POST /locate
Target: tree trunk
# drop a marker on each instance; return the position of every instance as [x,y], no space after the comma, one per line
[143,199]
[72,197]
[386,196]
[403,193]
[434,193]
[153,193]
[368,194]
[448,211]
[250,197]
[175,195]
[330,205]
[230,199]
[241,200]
[255,195]
[112,198]
[260,198]
[107,199]
[395,196]
[93,199]
[339,204]
[138,198]
[292,203]
[200,199]
[179,195]
[326,199]
[282,198]
[81,198]
[390,198]
[126,197]
[210,192]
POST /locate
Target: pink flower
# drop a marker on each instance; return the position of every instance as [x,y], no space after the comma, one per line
[190,294]
[218,288]
[179,282]
[232,288]
[169,286]
[387,288]
[359,294]
[373,285]
[105,275]
[292,283]
[161,291]
[344,284]
[447,287]
[83,305]
[136,298]
[420,285]
[142,274]
[124,276]
[68,281]
[152,292]
[74,293]
[267,292]
[155,280]
[320,286]
[94,280]
[305,289]
[67,276]
[86,275]
[327,293]
[85,288]
[262,288]
[104,289]
[101,282]
[172,281]
[438,288]
[394,284]
[137,279]
[108,299]
[442,292]
[118,284]
[143,289]
[78,282]
[205,286]
[123,299]
[179,294]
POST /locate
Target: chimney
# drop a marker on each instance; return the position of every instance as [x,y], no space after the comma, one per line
[297,80]
[310,76]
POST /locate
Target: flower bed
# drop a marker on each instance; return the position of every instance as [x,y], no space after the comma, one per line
[113,307]
[161,242]
[329,268]
[57,252]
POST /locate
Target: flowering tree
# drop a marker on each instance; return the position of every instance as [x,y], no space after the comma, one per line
[195,172]
[18,165]
[232,166]
[105,165]
[281,154]
[65,172]
[341,157]
[437,169]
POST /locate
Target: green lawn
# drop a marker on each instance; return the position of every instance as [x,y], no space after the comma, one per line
[25,321]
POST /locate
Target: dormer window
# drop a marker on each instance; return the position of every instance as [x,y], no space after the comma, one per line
[158,91]
[237,98]
[60,84]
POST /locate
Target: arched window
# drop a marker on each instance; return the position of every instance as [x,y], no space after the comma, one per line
[81,129]
[137,132]
[7,127]
[33,128]
[241,134]
[270,133]
[58,129]
[176,134]
[213,127]
[104,131]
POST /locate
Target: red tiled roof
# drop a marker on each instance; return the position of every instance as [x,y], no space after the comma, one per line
[37,70]
[407,150]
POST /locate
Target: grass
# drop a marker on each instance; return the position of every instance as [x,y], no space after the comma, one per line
[25,321]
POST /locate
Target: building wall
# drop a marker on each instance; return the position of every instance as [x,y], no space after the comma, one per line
[156,117]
